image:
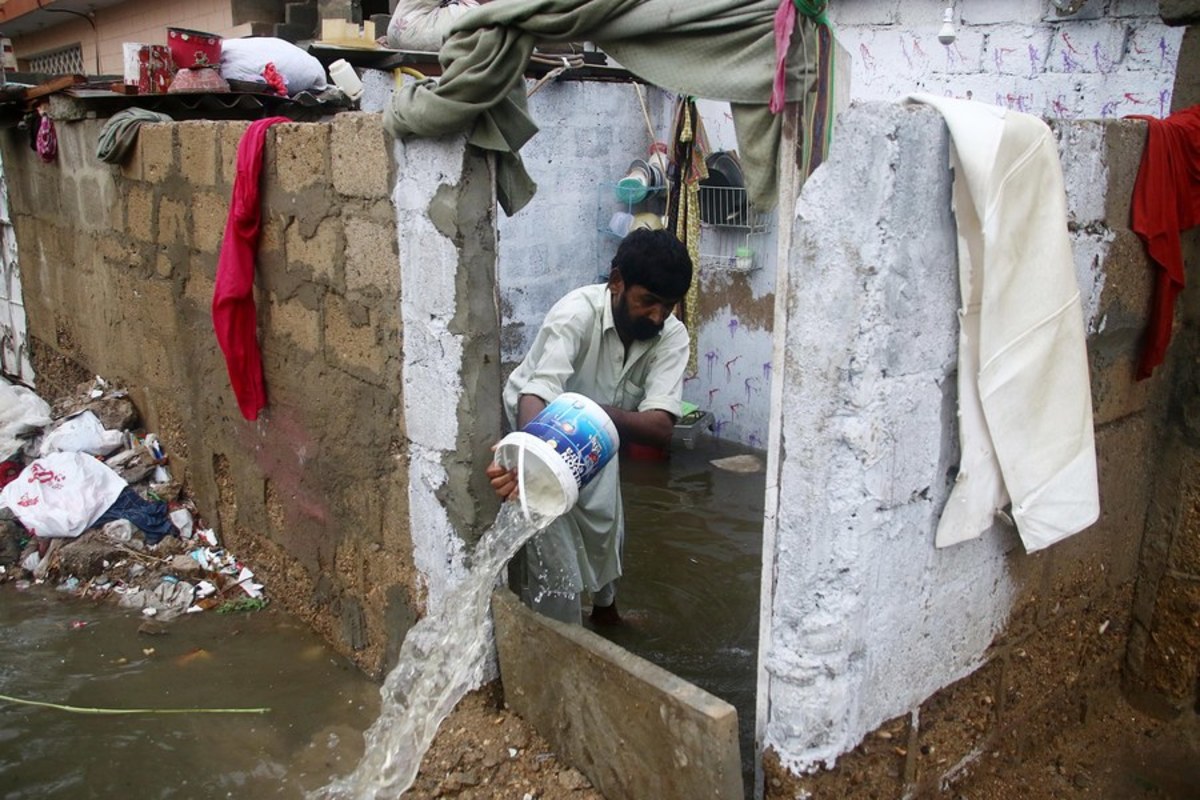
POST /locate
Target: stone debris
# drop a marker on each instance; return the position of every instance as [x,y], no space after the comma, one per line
[186,571]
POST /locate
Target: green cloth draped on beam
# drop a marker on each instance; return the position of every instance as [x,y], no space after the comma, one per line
[716,49]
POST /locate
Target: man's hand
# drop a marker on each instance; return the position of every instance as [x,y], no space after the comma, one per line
[504,481]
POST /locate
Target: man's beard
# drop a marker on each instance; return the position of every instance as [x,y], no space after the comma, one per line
[639,329]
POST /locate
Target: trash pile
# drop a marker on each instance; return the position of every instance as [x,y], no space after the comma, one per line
[88,502]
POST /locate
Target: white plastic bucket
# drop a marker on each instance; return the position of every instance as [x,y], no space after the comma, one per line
[557,453]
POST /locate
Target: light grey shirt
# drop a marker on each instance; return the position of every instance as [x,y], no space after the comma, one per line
[579,350]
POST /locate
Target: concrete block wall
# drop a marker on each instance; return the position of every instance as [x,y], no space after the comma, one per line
[889,666]
[1113,58]
[118,267]
[1162,668]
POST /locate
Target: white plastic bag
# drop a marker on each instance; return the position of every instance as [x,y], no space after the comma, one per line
[423,24]
[21,412]
[62,495]
[82,433]
[245,60]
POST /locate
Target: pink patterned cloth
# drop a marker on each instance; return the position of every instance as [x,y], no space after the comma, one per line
[785,24]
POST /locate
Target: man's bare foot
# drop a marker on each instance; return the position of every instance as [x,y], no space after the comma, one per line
[605,615]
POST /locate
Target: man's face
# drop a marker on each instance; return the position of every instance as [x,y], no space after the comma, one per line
[638,313]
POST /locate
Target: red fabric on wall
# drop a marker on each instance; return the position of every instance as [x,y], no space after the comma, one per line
[1166,201]
[233,313]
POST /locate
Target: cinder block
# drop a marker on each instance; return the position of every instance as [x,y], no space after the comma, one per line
[323,251]
[172,222]
[140,212]
[198,152]
[634,729]
[209,214]
[998,13]
[1124,142]
[853,14]
[350,339]
[231,136]
[299,324]
[157,145]
[1180,12]
[372,262]
[361,156]
[300,155]
[1086,47]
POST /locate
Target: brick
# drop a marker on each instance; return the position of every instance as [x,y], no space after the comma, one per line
[139,212]
[157,145]
[361,156]
[209,213]
[323,251]
[300,155]
[299,324]
[198,152]
[172,222]
[350,340]
[164,265]
[230,136]
[1124,142]
[372,262]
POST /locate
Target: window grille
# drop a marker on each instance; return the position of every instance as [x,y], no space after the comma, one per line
[63,61]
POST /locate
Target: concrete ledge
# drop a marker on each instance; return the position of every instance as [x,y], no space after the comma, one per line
[634,729]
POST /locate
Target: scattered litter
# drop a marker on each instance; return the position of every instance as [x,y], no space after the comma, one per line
[1104,626]
[119,530]
[101,514]
[78,623]
[181,518]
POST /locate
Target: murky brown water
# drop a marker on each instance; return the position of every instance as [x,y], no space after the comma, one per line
[693,561]
[689,595]
[320,704]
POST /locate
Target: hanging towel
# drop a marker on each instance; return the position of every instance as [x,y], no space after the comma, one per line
[1024,394]
[1166,201]
[233,313]
[118,135]
[706,48]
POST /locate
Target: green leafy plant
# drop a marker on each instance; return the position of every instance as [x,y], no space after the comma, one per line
[242,604]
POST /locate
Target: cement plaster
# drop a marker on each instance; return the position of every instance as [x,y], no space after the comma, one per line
[866,618]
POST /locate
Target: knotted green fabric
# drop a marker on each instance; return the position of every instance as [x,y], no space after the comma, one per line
[706,48]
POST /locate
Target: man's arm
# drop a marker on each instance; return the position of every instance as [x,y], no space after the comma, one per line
[653,426]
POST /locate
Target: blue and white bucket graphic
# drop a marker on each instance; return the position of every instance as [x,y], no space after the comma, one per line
[557,453]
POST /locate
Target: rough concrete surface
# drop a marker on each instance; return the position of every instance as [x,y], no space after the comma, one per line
[634,729]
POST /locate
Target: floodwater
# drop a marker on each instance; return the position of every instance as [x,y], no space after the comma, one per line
[689,598]
[319,703]
[692,570]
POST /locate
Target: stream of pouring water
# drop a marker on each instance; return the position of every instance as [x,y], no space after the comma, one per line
[441,659]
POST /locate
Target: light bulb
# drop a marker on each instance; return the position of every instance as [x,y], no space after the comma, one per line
[946,35]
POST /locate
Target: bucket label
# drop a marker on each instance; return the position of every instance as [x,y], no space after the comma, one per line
[577,432]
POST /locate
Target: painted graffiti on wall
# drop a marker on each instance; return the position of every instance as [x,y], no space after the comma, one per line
[1105,67]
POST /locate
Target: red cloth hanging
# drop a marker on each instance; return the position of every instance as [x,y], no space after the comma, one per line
[233,313]
[1166,201]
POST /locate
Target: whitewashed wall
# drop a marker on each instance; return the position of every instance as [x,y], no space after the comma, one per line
[1113,58]
[863,617]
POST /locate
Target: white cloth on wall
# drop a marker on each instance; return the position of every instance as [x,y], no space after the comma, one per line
[1024,392]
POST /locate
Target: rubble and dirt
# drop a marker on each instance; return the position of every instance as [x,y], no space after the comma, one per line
[185,571]
[483,749]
